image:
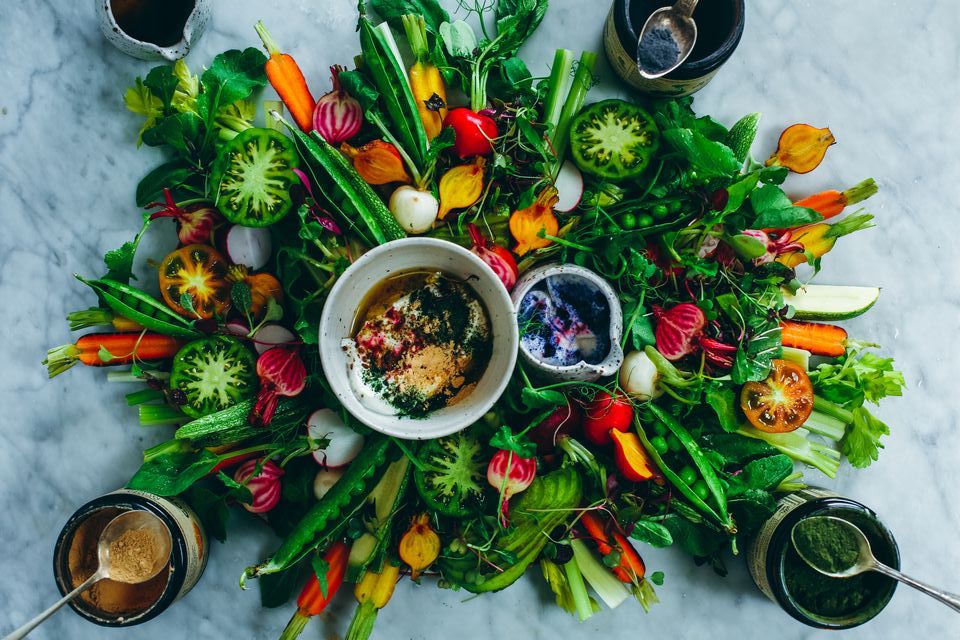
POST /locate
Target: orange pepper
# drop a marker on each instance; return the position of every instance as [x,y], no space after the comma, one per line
[631,459]
[526,224]
[378,162]
[801,148]
[461,186]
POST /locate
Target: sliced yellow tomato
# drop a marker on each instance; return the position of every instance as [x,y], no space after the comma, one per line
[199,272]
[782,402]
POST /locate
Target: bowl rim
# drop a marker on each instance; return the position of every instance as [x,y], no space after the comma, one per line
[509,341]
[542,272]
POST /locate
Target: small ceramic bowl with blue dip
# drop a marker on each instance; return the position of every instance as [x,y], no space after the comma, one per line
[570,323]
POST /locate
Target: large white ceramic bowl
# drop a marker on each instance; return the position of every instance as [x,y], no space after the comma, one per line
[336,323]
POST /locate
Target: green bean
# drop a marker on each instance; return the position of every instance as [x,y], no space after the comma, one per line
[145,310]
[699,460]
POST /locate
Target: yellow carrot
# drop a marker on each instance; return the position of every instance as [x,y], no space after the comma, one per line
[429,92]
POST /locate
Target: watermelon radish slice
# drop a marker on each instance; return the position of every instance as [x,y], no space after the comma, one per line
[569,185]
[678,329]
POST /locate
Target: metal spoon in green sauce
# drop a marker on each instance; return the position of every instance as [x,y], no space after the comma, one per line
[839,549]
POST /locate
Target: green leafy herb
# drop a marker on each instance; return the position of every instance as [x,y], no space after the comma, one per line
[773,209]
[651,532]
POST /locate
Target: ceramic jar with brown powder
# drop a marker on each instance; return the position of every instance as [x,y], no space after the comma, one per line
[116,604]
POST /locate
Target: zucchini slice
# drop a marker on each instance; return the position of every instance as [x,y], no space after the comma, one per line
[830,302]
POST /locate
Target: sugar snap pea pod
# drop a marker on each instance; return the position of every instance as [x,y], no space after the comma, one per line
[332,512]
[391,81]
[145,310]
[700,460]
[676,480]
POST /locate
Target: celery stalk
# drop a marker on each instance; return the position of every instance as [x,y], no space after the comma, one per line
[559,83]
[798,446]
[578,589]
[157,414]
[603,582]
[582,81]
[143,396]
[825,425]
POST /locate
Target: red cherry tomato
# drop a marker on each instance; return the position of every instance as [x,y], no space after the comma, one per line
[606,412]
[473,132]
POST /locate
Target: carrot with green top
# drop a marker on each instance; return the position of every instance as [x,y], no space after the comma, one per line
[817,338]
[313,599]
[831,203]
[108,349]
[287,79]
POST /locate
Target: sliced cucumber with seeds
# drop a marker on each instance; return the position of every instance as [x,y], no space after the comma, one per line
[252,177]
[213,374]
[613,139]
[829,302]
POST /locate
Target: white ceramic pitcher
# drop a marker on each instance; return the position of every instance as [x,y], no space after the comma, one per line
[192,30]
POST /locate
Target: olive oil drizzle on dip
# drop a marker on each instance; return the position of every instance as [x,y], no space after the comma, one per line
[421,341]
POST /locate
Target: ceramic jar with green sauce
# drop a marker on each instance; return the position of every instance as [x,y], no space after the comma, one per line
[719,28]
[804,593]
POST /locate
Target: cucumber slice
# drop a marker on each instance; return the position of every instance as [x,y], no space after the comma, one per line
[452,480]
[213,374]
[829,302]
[252,176]
[613,139]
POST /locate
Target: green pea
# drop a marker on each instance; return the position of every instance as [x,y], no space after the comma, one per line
[688,474]
[700,489]
[674,206]
[613,229]
[674,444]
[628,221]
[645,220]
[659,443]
[660,211]
[659,428]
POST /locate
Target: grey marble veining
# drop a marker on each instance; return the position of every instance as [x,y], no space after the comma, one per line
[884,76]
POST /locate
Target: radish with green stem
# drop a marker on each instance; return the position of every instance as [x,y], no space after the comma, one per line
[569,185]
[248,246]
[343,443]
[415,210]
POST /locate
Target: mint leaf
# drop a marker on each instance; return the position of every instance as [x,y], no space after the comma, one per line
[711,159]
[774,210]
[162,83]
[320,569]
[652,533]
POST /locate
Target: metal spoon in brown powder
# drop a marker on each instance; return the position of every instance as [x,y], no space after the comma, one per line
[134,547]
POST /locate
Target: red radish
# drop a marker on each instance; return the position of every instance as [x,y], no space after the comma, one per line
[344,442]
[563,422]
[337,116]
[237,328]
[272,335]
[473,132]
[679,329]
[325,479]
[510,474]
[496,257]
[194,222]
[248,246]
[281,373]
[264,487]
[569,186]
[606,412]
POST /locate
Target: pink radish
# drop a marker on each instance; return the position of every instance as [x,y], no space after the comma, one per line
[194,221]
[272,335]
[248,246]
[237,328]
[569,185]
[325,479]
[510,474]
[344,442]
[337,116]
[281,373]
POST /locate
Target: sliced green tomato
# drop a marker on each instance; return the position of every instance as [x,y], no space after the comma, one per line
[213,374]
[830,302]
[452,480]
[252,176]
[613,139]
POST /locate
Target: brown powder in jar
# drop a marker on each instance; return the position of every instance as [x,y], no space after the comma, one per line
[112,598]
[131,556]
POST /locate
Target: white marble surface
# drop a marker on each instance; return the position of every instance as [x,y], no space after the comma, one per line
[884,76]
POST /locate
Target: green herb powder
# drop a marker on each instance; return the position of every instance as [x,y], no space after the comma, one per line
[828,544]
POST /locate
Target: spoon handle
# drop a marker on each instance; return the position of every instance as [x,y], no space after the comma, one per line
[952,600]
[30,626]
[685,7]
